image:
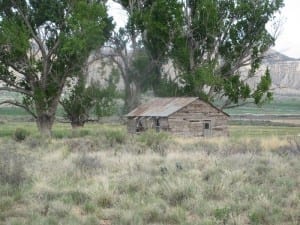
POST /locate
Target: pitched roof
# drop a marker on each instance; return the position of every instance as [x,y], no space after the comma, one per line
[161,107]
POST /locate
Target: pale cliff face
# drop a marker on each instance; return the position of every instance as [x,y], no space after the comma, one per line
[285,73]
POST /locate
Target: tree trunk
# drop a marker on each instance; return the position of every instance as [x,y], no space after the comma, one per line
[77,124]
[46,114]
[132,96]
[45,123]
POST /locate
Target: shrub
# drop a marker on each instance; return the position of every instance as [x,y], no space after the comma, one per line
[58,209]
[36,141]
[87,163]
[81,145]
[12,170]
[176,193]
[6,203]
[157,141]
[257,217]
[89,207]
[222,214]
[155,212]
[117,136]
[293,147]
[175,215]
[20,134]
[76,197]
[93,220]
[79,132]
[105,201]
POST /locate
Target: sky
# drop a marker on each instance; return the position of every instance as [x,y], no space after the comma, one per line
[288,39]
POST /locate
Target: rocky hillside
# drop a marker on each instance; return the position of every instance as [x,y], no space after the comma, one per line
[285,73]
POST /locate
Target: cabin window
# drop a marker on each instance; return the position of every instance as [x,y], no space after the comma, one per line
[207,128]
[206,125]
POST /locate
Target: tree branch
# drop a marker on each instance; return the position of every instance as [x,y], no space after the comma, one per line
[235,105]
[35,37]
[18,104]
[17,90]
[15,68]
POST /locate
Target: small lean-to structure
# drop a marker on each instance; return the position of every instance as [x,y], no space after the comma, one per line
[186,116]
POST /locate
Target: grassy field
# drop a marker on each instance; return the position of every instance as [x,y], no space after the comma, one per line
[64,130]
[279,106]
[100,175]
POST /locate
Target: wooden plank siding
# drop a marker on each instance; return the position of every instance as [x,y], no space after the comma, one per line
[147,123]
[198,118]
[190,120]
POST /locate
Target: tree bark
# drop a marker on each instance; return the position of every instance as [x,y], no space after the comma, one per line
[45,123]
[132,96]
[77,123]
[46,110]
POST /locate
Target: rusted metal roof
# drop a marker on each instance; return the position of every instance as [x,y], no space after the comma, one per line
[161,107]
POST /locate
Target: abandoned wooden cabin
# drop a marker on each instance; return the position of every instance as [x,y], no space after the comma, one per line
[186,116]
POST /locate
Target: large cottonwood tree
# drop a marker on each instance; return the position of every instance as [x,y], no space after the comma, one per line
[42,43]
[208,42]
[138,60]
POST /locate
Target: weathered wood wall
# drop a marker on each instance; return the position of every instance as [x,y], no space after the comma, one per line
[188,121]
[147,123]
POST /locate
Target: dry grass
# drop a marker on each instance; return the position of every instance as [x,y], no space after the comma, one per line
[119,180]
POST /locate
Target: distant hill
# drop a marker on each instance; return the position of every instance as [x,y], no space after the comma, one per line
[285,73]
[284,70]
[273,56]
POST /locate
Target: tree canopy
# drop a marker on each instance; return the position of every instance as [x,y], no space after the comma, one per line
[42,42]
[208,42]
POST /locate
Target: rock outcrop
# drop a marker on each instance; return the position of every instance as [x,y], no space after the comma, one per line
[285,73]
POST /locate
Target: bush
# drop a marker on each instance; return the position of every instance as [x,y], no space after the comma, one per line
[115,136]
[79,132]
[81,145]
[12,170]
[87,163]
[155,140]
[222,214]
[20,134]
[105,200]
[89,207]
[76,197]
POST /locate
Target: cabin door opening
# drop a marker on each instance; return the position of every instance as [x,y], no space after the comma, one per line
[139,126]
[207,128]
[157,125]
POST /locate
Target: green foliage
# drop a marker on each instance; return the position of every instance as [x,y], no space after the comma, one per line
[157,141]
[235,89]
[222,215]
[76,197]
[208,43]
[262,93]
[104,97]
[168,87]
[20,134]
[89,207]
[115,136]
[45,42]
[84,100]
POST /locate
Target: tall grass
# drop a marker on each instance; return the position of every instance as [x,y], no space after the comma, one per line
[109,177]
